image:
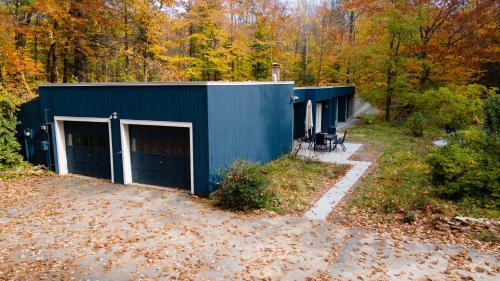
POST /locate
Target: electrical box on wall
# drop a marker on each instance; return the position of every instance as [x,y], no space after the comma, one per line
[44,145]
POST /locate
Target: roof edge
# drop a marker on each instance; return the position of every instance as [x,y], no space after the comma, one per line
[166,84]
[322,87]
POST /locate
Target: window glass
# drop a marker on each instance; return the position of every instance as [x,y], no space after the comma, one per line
[134,144]
[156,146]
[142,145]
[177,150]
[167,149]
[69,139]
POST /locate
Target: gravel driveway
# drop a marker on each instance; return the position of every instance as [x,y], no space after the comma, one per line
[87,229]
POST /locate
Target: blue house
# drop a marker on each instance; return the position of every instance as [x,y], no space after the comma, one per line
[170,134]
[330,105]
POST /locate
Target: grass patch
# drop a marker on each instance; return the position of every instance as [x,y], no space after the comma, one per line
[288,185]
[300,183]
[400,180]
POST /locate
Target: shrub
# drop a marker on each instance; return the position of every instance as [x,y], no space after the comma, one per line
[416,124]
[389,207]
[408,217]
[463,170]
[9,146]
[244,186]
[458,106]
[492,116]
[367,119]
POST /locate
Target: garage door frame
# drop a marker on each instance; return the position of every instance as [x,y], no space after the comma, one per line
[124,134]
[62,159]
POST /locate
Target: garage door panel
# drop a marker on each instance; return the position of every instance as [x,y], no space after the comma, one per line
[87,148]
[160,155]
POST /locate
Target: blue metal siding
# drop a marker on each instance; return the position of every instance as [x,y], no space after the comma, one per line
[301,94]
[327,96]
[162,103]
[342,110]
[251,122]
[325,116]
[30,117]
[299,118]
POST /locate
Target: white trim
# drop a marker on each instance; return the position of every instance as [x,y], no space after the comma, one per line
[124,134]
[62,159]
[323,87]
[126,163]
[185,83]
[156,123]
[319,109]
[336,110]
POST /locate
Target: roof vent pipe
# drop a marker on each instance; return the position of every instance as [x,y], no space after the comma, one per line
[276,72]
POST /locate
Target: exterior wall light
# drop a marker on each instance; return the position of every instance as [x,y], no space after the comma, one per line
[27,133]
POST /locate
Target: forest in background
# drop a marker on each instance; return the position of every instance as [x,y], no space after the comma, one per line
[387,48]
[403,56]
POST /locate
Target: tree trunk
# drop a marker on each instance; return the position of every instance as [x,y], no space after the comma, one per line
[127,59]
[65,65]
[80,62]
[50,66]
[390,79]
[145,63]
[392,71]
[79,56]
[351,41]
[388,100]
[19,37]
[320,66]
[35,44]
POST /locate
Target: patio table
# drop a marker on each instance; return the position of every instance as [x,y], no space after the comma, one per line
[331,138]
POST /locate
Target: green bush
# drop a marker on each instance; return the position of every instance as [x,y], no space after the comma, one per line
[492,116]
[367,119]
[244,186]
[469,168]
[416,124]
[458,106]
[408,217]
[9,146]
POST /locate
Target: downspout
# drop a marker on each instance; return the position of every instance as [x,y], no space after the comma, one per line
[48,138]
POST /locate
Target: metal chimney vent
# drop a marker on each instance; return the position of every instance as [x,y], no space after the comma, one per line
[276,71]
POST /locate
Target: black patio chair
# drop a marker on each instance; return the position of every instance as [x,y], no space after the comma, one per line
[320,142]
[309,139]
[341,141]
[449,129]
[332,130]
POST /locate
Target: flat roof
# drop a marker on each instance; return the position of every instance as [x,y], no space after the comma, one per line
[323,87]
[167,84]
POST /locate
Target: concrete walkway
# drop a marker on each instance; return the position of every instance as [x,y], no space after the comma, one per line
[327,203]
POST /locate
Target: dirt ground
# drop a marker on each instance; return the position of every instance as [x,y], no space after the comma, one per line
[72,228]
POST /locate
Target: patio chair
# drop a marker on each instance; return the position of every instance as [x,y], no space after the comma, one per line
[332,130]
[449,129]
[341,141]
[320,142]
[309,139]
